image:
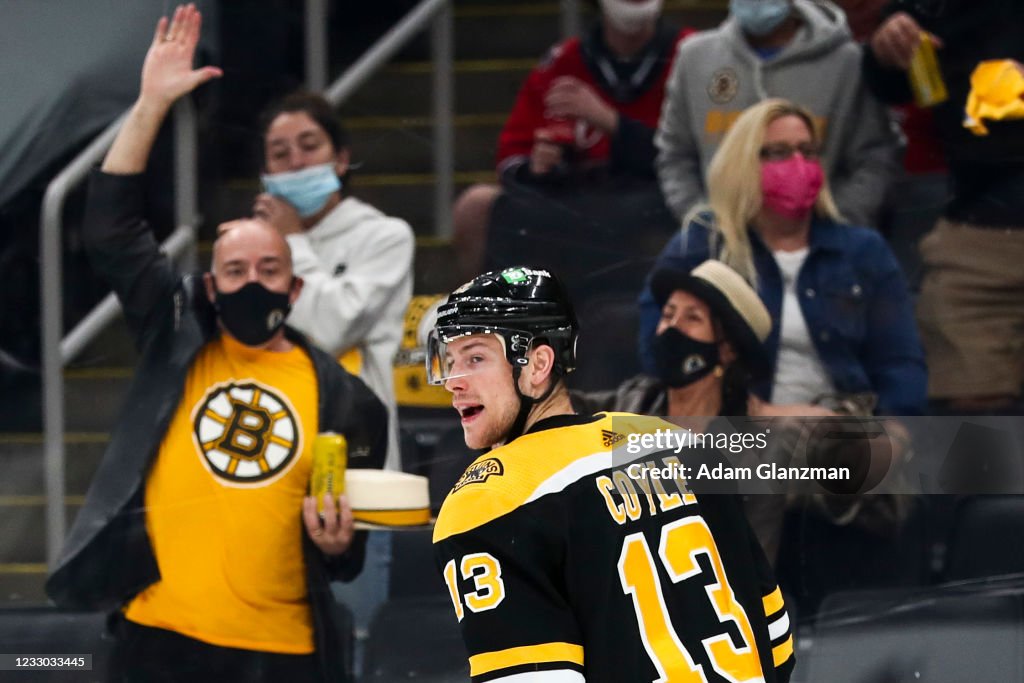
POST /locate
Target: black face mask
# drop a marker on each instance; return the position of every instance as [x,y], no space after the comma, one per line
[682,360]
[252,314]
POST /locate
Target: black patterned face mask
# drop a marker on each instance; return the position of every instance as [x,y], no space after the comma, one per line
[252,314]
[682,360]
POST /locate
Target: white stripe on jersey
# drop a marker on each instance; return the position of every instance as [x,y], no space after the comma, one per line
[779,627]
[572,473]
[554,676]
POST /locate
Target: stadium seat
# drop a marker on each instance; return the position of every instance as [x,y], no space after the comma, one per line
[941,636]
[987,538]
[47,630]
[416,638]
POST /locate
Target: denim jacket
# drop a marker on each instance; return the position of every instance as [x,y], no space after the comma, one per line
[854,300]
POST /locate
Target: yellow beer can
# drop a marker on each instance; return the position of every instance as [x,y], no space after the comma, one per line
[925,77]
[330,458]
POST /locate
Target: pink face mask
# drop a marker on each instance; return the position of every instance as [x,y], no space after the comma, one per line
[791,186]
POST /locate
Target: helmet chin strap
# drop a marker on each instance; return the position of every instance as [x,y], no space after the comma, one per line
[526,403]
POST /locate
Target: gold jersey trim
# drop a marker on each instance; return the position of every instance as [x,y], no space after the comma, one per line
[783,651]
[773,602]
[528,654]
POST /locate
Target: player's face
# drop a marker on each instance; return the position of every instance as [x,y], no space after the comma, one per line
[689,315]
[482,389]
[295,141]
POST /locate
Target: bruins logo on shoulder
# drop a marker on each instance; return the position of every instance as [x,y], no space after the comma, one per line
[245,433]
[479,472]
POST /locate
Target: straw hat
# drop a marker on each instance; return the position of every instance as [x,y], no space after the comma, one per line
[732,301]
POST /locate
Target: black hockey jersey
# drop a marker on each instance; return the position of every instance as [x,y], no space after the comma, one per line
[561,559]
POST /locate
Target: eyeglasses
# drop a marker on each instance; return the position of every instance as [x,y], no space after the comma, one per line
[780,151]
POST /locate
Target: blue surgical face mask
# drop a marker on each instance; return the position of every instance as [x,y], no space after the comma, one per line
[307,189]
[760,17]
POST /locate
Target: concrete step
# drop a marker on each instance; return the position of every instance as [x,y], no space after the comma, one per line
[93,397]
[21,583]
[404,89]
[21,460]
[404,144]
[521,29]
[22,528]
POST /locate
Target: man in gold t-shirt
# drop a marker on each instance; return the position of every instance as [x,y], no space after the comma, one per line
[197,529]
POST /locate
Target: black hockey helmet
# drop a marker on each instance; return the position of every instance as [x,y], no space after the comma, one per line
[523,306]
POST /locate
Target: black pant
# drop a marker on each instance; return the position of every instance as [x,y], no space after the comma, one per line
[152,655]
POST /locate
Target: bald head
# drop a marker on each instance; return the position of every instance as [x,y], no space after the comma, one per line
[249,237]
[250,250]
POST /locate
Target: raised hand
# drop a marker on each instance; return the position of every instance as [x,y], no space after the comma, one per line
[167,73]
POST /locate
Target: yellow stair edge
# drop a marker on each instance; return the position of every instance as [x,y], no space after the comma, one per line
[22,567]
[35,500]
[100,372]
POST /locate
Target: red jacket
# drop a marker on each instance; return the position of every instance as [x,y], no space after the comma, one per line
[638,117]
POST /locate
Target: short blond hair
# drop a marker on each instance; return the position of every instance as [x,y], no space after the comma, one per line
[734,181]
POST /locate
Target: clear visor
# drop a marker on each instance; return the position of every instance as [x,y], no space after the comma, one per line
[445,359]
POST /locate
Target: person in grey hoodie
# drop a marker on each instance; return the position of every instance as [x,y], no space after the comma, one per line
[795,49]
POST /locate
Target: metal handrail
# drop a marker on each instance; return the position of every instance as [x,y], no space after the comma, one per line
[438,14]
[56,352]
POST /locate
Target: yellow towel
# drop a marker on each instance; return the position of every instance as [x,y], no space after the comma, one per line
[997,94]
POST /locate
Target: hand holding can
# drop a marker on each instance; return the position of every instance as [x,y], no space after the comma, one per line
[330,459]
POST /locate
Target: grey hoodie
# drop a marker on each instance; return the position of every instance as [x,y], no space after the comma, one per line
[716,75]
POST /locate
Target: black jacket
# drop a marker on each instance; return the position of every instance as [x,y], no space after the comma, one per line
[107,558]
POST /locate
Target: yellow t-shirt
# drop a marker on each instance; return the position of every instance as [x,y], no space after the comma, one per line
[224,503]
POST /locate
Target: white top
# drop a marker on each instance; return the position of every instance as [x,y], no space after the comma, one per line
[799,375]
[357,267]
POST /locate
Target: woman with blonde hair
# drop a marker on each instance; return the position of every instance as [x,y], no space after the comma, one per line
[843,326]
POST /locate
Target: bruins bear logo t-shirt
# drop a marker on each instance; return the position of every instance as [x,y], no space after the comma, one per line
[224,502]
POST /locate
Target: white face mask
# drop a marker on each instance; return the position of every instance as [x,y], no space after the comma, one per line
[630,17]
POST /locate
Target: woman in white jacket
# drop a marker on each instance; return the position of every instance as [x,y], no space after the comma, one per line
[357,267]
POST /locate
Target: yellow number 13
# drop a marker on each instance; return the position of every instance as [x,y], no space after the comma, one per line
[485,572]
[681,543]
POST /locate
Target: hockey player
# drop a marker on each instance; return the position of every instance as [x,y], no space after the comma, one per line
[562,564]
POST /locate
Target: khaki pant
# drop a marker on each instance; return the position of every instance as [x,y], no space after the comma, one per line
[971,310]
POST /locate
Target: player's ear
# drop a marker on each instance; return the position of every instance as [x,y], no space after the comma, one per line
[211,287]
[542,362]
